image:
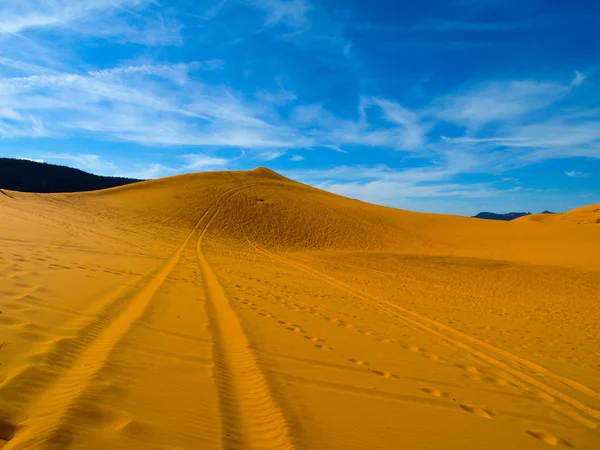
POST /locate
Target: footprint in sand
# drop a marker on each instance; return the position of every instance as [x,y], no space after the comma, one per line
[431,356]
[498,381]
[435,392]
[366,332]
[385,374]
[359,362]
[478,411]
[548,438]
[323,347]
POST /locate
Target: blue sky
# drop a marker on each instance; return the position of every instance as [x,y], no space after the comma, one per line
[453,106]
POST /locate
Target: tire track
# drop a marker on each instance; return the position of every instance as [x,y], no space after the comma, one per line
[47,427]
[433,327]
[250,415]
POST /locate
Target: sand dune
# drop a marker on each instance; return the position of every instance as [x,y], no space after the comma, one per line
[245,310]
[587,215]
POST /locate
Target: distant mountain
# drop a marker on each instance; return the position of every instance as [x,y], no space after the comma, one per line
[29,176]
[507,216]
[547,212]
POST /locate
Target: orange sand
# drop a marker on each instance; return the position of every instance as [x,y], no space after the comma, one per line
[245,310]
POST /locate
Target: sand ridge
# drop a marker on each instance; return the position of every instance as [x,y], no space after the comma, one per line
[245,310]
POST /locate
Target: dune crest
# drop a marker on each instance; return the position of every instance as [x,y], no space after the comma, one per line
[586,215]
[246,310]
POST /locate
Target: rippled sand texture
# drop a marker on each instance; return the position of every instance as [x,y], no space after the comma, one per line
[244,310]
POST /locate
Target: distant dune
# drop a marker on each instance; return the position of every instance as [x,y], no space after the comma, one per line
[585,215]
[30,176]
[246,310]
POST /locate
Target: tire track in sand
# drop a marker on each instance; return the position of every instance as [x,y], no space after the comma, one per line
[48,424]
[250,415]
[581,412]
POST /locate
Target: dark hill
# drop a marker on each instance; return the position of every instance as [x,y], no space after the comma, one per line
[507,216]
[29,176]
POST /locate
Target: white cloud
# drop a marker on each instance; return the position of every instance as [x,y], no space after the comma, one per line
[127,20]
[269,156]
[413,134]
[89,162]
[498,101]
[292,13]
[525,144]
[164,105]
[413,188]
[296,158]
[575,174]
[14,125]
[202,161]
[212,12]
[22,66]
[26,14]
[308,26]
[579,79]
[148,104]
[381,123]
[10,114]
[97,164]
[280,97]
[144,171]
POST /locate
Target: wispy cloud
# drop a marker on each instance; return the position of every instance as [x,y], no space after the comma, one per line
[89,162]
[22,67]
[165,105]
[29,14]
[413,188]
[308,26]
[499,101]
[281,96]
[38,160]
[292,13]
[579,79]
[201,161]
[380,123]
[270,156]
[149,104]
[129,20]
[554,138]
[212,12]
[575,174]
[100,165]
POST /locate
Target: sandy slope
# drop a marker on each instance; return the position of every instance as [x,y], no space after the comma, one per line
[244,310]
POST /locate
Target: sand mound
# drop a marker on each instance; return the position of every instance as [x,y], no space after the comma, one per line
[246,310]
[586,215]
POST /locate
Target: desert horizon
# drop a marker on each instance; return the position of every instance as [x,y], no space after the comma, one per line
[242,309]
